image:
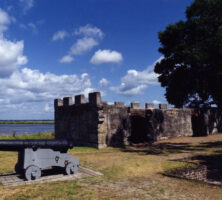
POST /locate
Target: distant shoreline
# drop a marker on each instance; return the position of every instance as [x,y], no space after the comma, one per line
[26,121]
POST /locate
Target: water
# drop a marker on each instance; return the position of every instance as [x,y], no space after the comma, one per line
[7,129]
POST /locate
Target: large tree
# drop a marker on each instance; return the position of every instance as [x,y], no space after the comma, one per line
[191,69]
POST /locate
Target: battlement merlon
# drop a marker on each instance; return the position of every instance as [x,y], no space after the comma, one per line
[135,105]
[119,104]
[95,99]
[67,101]
[162,106]
[80,99]
[149,106]
[58,102]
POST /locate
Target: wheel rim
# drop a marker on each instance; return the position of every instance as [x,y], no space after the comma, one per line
[71,168]
[32,172]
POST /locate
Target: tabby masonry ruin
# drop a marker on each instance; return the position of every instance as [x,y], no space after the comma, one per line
[97,124]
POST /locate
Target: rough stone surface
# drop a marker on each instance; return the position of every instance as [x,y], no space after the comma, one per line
[162,106]
[95,98]
[168,123]
[198,173]
[90,124]
[135,105]
[119,104]
[115,128]
[149,106]
[97,124]
[79,123]
[67,101]
[80,99]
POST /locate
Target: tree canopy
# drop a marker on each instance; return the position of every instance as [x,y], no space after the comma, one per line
[191,69]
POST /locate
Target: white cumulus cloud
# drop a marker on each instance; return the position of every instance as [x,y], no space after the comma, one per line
[90,37]
[29,85]
[59,35]
[5,20]
[89,31]
[156,102]
[29,93]
[134,82]
[106,56]
[83,45]
[103,82]
[11,56]
[66,59]
[11,53]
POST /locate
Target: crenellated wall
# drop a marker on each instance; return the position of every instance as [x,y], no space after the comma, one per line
[95,123]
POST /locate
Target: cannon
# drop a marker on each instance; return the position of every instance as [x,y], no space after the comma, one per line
[35,155]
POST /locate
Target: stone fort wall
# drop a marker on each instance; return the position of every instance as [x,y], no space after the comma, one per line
[95,123]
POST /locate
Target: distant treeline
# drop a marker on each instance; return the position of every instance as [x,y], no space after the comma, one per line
[26,122]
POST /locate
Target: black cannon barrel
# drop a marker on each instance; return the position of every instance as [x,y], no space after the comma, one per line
[19,145]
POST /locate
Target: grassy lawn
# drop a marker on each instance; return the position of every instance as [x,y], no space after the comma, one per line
[129,173]
[46,135]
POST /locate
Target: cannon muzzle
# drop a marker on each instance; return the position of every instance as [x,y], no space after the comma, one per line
[20,145]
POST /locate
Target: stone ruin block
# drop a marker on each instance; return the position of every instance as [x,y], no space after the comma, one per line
[118,122]
[58,102]
[95,98]
[67,101]
[119,104]
[149,106]
[162,106]
[80,99]
[135,105]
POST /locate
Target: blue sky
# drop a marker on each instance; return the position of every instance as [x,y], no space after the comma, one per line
[54,48]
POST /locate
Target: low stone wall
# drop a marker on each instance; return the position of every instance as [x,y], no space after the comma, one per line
[97,124]
[198,173]
[168,123]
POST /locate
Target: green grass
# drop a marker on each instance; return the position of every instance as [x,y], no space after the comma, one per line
[129,173]
[46,135]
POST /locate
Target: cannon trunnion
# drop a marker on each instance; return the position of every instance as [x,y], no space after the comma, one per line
[34,155]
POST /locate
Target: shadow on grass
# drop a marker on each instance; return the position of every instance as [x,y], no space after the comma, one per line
[164,149]
[211,144]
[213,162]
[172,148]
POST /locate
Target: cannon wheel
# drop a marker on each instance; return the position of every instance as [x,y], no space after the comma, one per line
[71,168]
[32,172]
